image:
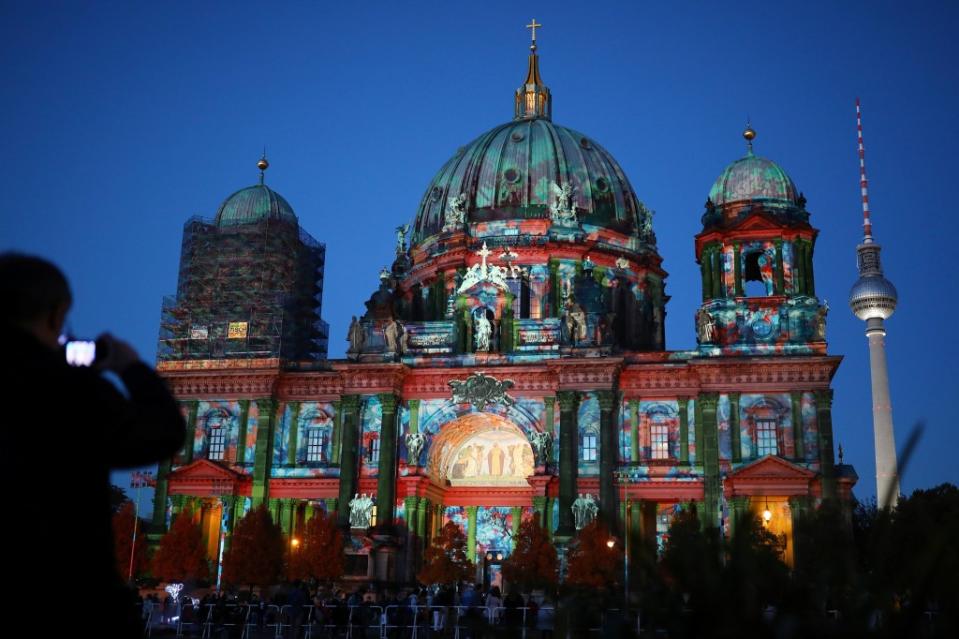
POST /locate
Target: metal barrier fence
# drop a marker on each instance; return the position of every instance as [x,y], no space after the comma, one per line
[365,621]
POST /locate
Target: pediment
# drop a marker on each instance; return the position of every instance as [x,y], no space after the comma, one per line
[758,221]
[205,470]
[771,467]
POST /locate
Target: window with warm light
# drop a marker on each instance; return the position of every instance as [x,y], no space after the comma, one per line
[766,443]
[659,441]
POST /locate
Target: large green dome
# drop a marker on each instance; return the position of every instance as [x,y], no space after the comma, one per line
[254,204]
[751,179]
[509,173]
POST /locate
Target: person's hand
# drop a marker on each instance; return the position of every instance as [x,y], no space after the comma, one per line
[119,354]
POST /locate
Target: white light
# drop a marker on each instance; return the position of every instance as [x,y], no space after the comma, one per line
[767,514]
[174,590]
[81,353]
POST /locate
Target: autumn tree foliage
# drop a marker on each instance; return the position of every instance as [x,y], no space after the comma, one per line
[256,552]
[181,555]
[445,560]
[320,553]
[533,563]
[123,524]
[592,563]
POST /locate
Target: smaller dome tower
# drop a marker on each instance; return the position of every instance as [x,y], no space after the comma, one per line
[756,256]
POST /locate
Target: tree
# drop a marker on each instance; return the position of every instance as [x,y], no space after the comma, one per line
[754,575]
[533,562]
[446,561]
[123,526]
[320,554]
[118,497]
[257,548]
[592,563]
[181,555]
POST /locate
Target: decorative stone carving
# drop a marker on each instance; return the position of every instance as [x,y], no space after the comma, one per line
[646,233]
[401,238]
[455,213]
[820,321]
[561,210]
[482,331]
[622,263]
[414,446]
[479,390]
[585,509]
[395,337]
[484,272]
[361,511]
[705,326]
[542,443]
[574,323]
[356,337]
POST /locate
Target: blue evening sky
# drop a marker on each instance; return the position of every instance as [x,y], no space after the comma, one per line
[122,119]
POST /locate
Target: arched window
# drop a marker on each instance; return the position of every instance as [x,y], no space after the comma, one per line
[215,423]
[316,428]
[757,274]
[765,419]
[766,439]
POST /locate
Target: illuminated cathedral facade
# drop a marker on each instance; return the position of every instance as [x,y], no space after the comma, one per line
[512,363]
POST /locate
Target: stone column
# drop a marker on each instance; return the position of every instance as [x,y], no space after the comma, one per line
[286,516]
[799,273]
[710,459]
[634,429]
[239,510]
[719,285]
[421,511]
[471,512]
[309,512]
[517,520]
[568,459]
[799,452]
[192,407]
[539,510]
[386,473]
[683,403]
[263,456]
[698,432]
[160,494]
[350,405]
[293,435]
[737,270]
[337,437]
[274,506]
[780,275]
[607,456]
[414,405]
[824,424]
[330,503]
[738,506]
[735,436]
[704,269]
[798,509]
[241,431]
[810,273]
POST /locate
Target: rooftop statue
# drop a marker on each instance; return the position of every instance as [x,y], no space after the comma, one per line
[561,210]
[414,447]
[455,213]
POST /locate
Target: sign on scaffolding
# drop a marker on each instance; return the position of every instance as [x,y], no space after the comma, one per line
[199,332]
[237,330]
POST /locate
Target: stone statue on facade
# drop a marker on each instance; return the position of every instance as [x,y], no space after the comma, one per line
[820,321]
[482,332]
[361,511]
[395,337]
[705,326]
[561,211]
[455,213]
[414,447]
[646,233]
[542,443]
[585,509]
[574,323]
[356,337]
[401,238]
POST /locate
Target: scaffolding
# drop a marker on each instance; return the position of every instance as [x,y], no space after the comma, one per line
[247,291]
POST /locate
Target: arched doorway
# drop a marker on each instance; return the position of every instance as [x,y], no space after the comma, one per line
[480,449]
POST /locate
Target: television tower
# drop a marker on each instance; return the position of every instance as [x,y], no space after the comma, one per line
[873,299]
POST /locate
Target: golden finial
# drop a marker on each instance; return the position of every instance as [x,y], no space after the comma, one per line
[263,165]
[533,26]
[749,135]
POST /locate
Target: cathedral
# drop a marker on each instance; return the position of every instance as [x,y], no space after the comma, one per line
[512,363]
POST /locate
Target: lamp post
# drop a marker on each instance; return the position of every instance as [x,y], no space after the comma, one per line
[137,480]
[221,487]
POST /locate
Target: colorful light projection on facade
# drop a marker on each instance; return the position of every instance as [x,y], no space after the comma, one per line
[481,449]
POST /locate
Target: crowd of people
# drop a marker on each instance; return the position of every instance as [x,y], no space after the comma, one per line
[471,611]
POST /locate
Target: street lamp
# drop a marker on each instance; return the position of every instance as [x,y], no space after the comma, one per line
[137,480]
[610,543]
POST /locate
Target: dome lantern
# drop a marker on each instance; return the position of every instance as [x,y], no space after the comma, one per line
[533,99]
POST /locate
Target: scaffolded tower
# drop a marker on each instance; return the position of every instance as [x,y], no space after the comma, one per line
[873,299]
[250,285]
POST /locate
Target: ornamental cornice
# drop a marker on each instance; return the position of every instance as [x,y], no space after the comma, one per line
[435,382]
[221,385]
[586,374]
[302,386]
[658,380]
[365,379]
[765,373]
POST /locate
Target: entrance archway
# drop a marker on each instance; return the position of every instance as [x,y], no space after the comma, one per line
[480,449]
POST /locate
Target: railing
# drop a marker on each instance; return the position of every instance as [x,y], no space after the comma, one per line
[365,621]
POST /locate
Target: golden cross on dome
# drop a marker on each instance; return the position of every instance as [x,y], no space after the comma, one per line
[533,26]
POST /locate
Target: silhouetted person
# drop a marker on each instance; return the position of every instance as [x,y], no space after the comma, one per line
[65,428]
